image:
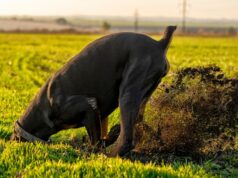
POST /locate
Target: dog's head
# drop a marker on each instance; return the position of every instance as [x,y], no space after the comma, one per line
[32,126]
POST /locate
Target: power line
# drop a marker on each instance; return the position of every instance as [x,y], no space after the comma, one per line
[184,15]
[136,20]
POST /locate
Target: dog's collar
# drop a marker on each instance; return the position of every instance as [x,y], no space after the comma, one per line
[20,132]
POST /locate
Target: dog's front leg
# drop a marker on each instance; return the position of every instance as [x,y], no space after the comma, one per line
[104,128]
[93,126]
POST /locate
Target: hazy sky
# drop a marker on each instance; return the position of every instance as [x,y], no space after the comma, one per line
[167,8]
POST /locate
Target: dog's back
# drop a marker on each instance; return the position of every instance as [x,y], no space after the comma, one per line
[97,70]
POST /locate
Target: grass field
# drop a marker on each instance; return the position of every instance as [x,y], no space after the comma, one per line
[27,60]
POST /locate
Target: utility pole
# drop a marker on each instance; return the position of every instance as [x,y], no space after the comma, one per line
[184,16]
[136,20]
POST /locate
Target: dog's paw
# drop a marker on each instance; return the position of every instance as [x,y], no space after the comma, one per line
[121,150]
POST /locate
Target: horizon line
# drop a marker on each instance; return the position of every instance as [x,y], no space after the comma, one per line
[116,16]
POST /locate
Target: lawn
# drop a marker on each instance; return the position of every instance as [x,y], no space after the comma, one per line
[27,60]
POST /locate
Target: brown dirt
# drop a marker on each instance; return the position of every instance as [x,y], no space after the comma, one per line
[198,112]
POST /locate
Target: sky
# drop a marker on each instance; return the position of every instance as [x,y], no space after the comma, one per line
[203,9]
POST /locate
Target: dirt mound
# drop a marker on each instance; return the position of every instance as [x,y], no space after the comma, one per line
[197,113]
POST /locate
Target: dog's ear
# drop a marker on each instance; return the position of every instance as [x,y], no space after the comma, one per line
[165,41]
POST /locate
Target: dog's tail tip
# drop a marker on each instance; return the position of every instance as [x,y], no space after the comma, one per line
[168,36]
[169,32]
[171,28]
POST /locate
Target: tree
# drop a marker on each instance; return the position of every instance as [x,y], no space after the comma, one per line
[232,31]
[106,26]
[61,21]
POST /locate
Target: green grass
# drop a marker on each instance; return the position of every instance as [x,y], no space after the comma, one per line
[26,61]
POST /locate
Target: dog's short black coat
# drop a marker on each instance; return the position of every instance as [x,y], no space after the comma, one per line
[119,69]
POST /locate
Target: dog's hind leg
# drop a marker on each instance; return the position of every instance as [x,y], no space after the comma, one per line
[139,81]
[141,111]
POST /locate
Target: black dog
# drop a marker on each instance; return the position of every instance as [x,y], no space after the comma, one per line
[120,69]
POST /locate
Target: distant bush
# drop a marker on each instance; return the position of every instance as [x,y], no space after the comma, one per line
[232,31]
[106,26]
[61,21]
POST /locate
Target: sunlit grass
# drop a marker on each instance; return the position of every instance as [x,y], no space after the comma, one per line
[61,160]
[26,61]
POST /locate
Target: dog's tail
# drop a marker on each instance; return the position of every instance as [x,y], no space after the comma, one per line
[165,41]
